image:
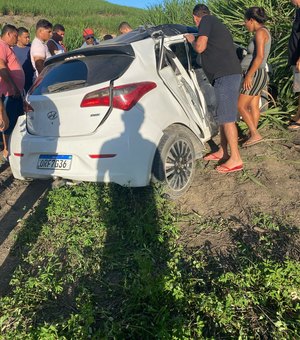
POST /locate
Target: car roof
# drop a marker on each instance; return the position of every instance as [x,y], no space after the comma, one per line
[122,43]
[143,32]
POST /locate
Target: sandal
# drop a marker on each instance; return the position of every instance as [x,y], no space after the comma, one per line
[3,159]
[250,142]
[293,126]
[223,169]
[212,157]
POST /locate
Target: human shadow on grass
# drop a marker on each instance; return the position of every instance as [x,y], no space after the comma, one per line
[130,295]
[129,290]
[105,276]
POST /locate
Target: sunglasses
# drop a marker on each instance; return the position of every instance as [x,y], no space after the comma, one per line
[88,38]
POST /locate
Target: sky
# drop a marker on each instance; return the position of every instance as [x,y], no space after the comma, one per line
[136,3]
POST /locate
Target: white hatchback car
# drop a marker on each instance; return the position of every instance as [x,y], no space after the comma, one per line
[134,108]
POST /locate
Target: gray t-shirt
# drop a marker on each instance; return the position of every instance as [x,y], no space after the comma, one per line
[219,58]
[251,53]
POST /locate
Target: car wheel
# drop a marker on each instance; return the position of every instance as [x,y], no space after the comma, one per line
[174,162]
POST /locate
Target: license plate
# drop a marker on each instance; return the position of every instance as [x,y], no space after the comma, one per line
[53,162]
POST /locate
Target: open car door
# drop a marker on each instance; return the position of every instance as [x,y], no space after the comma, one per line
[176,71]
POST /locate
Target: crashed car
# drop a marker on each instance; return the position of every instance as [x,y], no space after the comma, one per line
[133,109]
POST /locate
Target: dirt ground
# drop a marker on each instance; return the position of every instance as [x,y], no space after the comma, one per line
[269,183]
[269,186]
[17,200]
[26,21]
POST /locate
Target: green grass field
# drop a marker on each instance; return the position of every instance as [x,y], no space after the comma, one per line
[104,262]
[75,15]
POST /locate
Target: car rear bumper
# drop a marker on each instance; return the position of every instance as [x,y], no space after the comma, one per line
[106,157]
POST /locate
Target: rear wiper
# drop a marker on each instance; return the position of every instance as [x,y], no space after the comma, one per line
[65,85]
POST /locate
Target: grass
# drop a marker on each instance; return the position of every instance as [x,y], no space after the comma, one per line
[75,15]
[105,262]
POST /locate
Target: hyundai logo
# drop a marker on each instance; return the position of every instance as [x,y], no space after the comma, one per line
[52,115]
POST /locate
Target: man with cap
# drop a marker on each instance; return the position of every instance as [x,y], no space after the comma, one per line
[89,38]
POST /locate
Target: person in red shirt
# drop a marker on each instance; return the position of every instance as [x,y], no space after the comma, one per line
[12,80]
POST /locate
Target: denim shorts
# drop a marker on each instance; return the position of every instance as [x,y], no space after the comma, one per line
[227,91]
[14,109]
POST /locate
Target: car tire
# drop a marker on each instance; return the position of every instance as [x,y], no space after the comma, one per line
[174,162]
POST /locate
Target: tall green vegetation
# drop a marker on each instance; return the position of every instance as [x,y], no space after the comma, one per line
[75,15]
[231,12]
[171,12]
[280,13]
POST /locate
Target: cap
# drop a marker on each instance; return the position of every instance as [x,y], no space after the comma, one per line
[88,32]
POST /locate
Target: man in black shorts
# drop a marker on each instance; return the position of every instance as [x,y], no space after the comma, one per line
[222,67]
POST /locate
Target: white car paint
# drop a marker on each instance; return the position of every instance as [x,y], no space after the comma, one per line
[127,140]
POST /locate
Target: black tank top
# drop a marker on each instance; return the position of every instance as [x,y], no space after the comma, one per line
[294,41]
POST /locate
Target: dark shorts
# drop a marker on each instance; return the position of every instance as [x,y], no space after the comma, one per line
[227,91]
[14,109]
[260,80]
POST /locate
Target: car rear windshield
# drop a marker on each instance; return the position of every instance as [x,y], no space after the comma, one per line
[81,72]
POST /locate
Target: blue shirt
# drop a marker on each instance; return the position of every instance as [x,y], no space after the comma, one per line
[23,55]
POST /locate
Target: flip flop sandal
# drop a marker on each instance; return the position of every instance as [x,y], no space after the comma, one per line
[250,143]
[212,157]
[293,126]
[223,169]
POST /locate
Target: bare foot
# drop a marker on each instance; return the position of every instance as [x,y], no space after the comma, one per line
[5,154]
[294,125]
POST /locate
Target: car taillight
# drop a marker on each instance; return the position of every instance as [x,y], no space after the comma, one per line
[123,97]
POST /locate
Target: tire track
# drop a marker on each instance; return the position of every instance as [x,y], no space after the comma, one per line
[17,198]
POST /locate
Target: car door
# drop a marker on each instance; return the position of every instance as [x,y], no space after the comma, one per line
[174,70]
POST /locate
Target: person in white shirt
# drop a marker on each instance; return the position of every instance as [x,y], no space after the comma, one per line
[39,51]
